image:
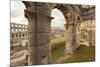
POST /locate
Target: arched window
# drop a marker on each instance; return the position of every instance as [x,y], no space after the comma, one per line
[16,25]
[59,19]
[16,35]
[19,25]
[19,35]
[23,35]
[12,25]
[20,30]
[16,30]
[12,35]
[23,26]
[23,30]
[12,30]
[26,34]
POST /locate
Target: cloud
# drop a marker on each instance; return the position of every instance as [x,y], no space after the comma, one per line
[17,15]
[58,20]
[17,12]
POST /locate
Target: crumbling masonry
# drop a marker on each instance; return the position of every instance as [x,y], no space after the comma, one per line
[39,18]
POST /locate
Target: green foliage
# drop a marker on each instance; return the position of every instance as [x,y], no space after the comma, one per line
[57,48]
[55,54]
[84,54]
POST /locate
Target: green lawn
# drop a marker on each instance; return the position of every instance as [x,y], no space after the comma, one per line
[57,48]
[57,43]
[56,54]
[84,54]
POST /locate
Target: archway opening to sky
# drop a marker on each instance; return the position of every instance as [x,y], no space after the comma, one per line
[58,20]
[58,36]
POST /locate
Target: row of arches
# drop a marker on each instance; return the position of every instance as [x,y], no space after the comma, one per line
[18,35]
[40,14]
[16,25]
[40,18]
[18,30]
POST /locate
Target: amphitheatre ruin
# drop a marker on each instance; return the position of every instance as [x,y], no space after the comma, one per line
[35,37]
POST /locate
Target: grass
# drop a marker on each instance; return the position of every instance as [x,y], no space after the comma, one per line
[55,54]
[58,46]
[57,43]
[84,54]
[57,40]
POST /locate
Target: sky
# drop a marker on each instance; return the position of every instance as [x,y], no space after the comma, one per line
[17,15]
[17,12]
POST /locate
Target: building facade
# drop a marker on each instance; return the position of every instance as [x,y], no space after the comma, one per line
[87,27]
[18,34]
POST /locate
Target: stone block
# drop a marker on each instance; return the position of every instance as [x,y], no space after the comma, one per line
[43,51]
[31,26]
[31,39]
[42,39]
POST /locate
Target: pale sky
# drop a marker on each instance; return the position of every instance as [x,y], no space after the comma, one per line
[17,12]
[17,15]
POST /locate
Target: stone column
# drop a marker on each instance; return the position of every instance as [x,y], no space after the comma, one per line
[69,39]
[78,33]
[38,32]
[70,35]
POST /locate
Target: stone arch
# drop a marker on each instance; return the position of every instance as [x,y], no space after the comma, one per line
[39,18]
[67,12]
[72,17]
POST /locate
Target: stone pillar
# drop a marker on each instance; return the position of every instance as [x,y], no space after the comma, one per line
[71,35]
[78,35]
[75,33]
[69,39]
[49,34]
[38,32]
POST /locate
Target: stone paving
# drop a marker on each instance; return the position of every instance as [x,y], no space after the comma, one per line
[16,61]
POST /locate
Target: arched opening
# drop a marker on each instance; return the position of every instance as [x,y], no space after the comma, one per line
[39,30]
[58,36]
[23,35]
[20,35]
[62,30]
[16,35]
[12,35]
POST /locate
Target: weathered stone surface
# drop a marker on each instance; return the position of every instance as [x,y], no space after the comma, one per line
[39,17]
[38,33]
